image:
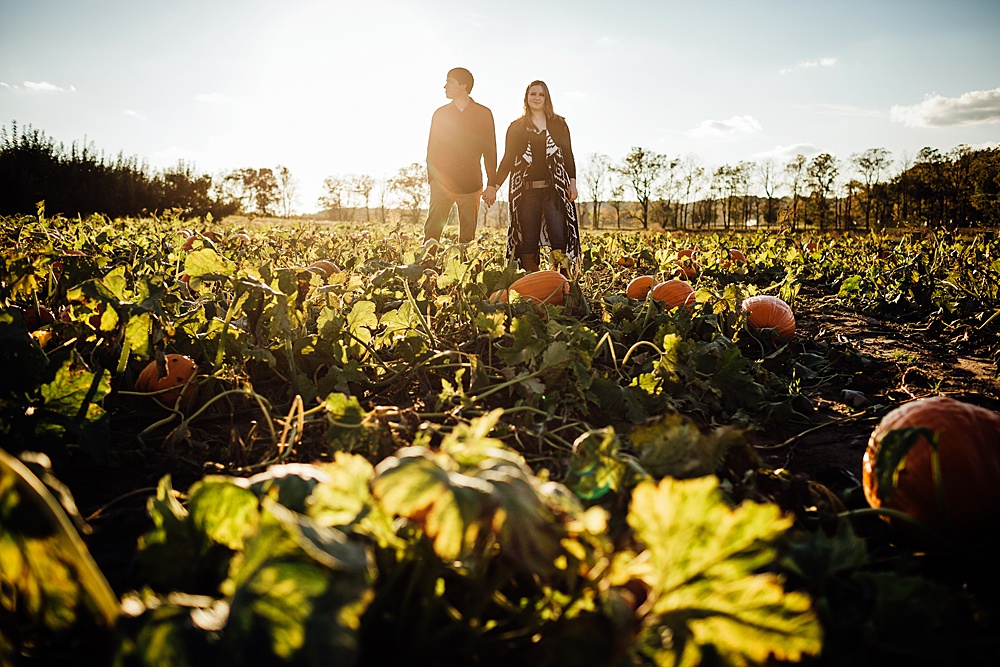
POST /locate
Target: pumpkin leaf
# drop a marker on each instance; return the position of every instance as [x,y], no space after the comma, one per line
[703,562]
[891,455]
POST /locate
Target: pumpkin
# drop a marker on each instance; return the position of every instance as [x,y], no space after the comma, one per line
[737,255]
[328,267]
[686,268]
[968,440]
[548,287]
[809,247]
[687,252]
[639,287]
[673,292]
[626,261]
[239,238]
[179,369]
[37,316]
[764,311]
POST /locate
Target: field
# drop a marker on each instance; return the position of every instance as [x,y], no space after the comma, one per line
[383,462]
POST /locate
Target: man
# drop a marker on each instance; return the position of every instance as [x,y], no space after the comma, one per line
[462,136]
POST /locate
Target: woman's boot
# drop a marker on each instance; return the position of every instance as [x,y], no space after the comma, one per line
[529,262]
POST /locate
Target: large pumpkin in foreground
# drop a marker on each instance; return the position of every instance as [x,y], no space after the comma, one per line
[548,287]
[179,369]
[969,451]
[672,292]
[639,287]
[765,311]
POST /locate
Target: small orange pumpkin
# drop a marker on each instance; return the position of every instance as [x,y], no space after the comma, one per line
[737,255]
[36,317]
[687,268]
[765,311]
[672,292]
[639,287]
[626,261]
[548,287]
[968,439]
[687,252]
[179,369]
[328,267]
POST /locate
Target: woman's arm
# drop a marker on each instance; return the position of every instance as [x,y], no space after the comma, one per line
[510,153]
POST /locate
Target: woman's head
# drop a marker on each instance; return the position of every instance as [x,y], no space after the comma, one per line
[536,98]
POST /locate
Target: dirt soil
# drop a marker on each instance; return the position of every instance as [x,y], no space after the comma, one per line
[895,364]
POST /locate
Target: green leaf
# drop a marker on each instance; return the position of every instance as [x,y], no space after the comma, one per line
[137,335]
[223,510]
[704,563]
[74,391]
[297,592]
[425,487]
[48,580]
[362,320]
[673,445]
[891,455]
[206,264]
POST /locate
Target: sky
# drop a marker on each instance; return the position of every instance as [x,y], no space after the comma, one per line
[333,88]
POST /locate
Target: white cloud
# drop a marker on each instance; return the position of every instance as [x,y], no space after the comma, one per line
[847,110]
[172,155]
[973,108]
[213,98]
[724,128]
[133,113]
[786,153]
[38,87]
[810,64]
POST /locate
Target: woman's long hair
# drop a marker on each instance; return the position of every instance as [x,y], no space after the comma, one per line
[549,111]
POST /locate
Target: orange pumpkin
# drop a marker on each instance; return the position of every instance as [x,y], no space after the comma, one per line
[737,255]
[809,247]
[179,369]
[764,311]
[328,267]
[968,440]
[639,287]
[687,252]
[687,268]
[673,292]
[626,261]
[35,317]
[548,287]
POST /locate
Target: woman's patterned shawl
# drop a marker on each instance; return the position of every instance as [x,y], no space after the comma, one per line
[560,178]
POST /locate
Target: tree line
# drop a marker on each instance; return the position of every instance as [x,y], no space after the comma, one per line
[79,180]
[647,189]
[960,188]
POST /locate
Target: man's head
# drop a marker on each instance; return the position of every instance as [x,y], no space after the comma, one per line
[458,78]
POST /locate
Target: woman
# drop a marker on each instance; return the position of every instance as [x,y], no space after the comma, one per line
[538,156]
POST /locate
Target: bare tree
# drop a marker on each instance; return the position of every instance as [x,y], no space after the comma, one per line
[382,193]
[617,196]
[256,190]
[691,175]
[410,183]
[795,172]
[362,186]
[643,169]
[337,191]
[287,190]
[822,173]
[871,164]
[767,178]
[595,177]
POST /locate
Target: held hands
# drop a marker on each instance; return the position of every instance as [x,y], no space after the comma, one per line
[573,194]
[489,195]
